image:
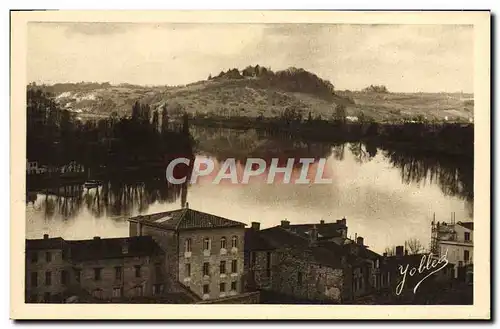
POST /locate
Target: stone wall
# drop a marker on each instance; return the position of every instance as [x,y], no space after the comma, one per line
[198,256]
[245,298]
[296,274]
[39,291]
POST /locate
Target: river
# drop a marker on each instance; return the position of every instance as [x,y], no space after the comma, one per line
[387,197]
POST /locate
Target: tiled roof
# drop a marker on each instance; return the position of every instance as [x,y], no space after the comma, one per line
[278,237]
[255,241]
[469,225]
[325,230]
[113,248]
[185,219]
[42,244]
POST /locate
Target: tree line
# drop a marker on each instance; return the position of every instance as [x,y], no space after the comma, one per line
[55,136]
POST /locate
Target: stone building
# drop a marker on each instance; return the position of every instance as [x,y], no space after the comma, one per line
[310,262]
[99,269]
[203,252]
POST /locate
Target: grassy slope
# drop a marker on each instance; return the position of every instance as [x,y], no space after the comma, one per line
[247,98]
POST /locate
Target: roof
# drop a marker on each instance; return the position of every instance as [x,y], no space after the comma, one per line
[186,219]
[325,230]
[278,237]
[255,241]
[469,225]
[113,248]
[44,244]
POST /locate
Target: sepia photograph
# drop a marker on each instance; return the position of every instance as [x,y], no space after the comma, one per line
[329,160]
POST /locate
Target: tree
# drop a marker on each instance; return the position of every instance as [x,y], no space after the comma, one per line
[414,246]
[136,111]
[340,113]
[164,118]
[390,251]
[155,120]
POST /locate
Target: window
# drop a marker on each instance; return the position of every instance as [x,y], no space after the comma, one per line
[64,277]
[234,242]
[222,287]
[48,278]
[77,275]
[222,267]
[97,274]
[206,269]
[34,257]
[188,270]
[466,255]
[187,245]
[206,244]
[268,264]
[206,289]
[234,266]
[138,290]
[233,286]
[48,257]
[64,254]
[117,292]
[467,236]
[223,243]
[34,279]
[157,289]
[137,271]
[118,273]
[97,293]
[299,278]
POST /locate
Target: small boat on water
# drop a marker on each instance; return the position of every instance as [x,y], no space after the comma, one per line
[92,183]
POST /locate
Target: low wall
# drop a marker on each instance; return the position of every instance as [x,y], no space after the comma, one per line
[245,298]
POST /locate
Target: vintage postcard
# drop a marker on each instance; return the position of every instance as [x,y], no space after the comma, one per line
[301,165]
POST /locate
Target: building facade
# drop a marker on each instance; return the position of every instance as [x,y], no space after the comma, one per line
[310,262]
[97,269]
[203,252]
[456,240]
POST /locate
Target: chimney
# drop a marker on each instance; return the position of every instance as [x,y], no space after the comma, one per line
[45,236]
[406,252]
[385,254]
[255,226]
[187,205]
[322,221]
[313,235]
[97,238]
[360,241]
[285,223]
[399,251]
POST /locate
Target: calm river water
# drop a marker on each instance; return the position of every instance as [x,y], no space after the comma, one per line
[384,199]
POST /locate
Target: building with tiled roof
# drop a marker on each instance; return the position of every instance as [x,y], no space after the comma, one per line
[204,252]
[312,261]
[95,269]
[185,219]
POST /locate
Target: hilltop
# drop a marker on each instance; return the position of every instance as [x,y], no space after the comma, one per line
[258,91]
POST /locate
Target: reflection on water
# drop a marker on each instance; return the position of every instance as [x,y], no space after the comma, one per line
[387,195]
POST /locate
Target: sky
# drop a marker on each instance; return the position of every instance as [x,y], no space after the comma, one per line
[405,58]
